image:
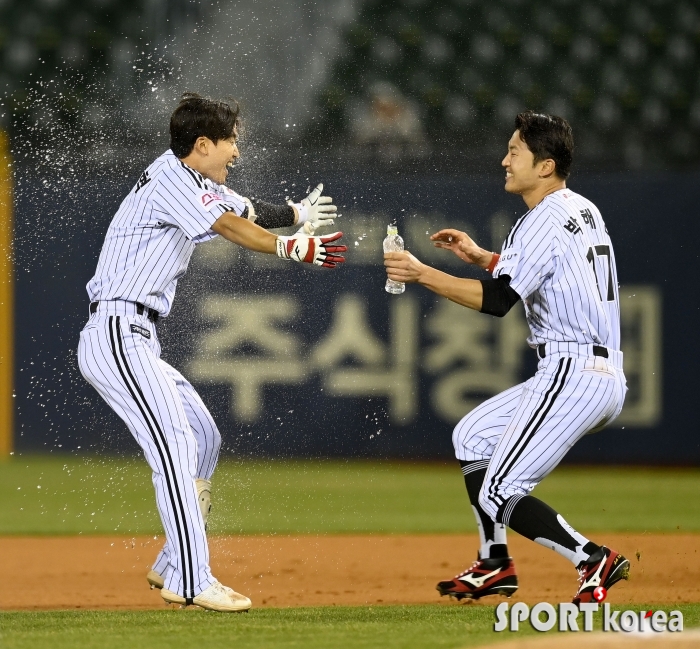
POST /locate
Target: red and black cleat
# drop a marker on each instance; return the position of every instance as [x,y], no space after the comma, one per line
[605,571]
[483,577]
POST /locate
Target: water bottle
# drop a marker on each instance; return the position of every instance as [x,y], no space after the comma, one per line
[393,243]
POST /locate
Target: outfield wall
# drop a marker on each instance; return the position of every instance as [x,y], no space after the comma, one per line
[296,360]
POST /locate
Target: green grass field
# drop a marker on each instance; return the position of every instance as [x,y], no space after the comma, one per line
[69,495]
[370,627]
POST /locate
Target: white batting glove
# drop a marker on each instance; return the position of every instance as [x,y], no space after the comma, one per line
[312,250]
[315,211]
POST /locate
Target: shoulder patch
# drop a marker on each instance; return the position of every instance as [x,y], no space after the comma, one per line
[136,329]
[208,199]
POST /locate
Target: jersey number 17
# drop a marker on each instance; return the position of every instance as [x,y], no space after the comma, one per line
[602,251]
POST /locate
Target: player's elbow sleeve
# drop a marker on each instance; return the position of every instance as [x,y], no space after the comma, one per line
[499,297]
[270,216]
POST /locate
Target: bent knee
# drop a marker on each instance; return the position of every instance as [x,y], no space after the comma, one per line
[473,440]
[471,446]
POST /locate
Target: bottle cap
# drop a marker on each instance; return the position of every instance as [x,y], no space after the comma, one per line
[391,230]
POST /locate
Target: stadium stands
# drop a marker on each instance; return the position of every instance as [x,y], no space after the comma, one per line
[624,72]
[60,58]
[411,77]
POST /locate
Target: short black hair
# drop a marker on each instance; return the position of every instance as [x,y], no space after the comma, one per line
[198,116]
[548,136]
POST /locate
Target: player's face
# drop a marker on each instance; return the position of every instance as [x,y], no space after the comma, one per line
[519,163]
[222,156]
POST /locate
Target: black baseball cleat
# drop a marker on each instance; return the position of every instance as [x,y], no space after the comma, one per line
[606,569]
[483,577]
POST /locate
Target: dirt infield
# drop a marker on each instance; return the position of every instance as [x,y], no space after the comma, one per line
[108,572]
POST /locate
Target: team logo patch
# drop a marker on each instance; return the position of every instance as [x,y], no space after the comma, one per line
[209,199]
[509,259]
[135,329]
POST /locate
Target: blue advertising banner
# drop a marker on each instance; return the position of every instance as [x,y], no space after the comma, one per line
[295,360]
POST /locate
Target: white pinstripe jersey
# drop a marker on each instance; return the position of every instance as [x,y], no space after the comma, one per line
[152,236]
[561,262]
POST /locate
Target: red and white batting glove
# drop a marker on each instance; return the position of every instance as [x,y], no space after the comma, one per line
[312,250]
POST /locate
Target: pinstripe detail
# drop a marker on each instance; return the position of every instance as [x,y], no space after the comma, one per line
[551,256]
[161,444]
[514,229]
[199,175]
[541,412]
[154,233]
[190,171]
[505,512]
[163,386]
[548,261]
[477,465]
[478,432]
[147,248]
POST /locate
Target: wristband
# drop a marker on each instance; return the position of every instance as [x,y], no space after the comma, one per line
[494,261]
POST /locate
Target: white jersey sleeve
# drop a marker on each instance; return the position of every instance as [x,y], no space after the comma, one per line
[530,254]
[186,201]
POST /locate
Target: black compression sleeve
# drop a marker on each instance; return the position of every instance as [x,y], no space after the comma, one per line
[270,216]
[499,297]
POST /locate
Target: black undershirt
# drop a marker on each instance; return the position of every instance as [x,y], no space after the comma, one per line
[499,297]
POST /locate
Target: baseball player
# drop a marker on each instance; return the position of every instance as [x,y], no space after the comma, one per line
[558,260]
[181,201]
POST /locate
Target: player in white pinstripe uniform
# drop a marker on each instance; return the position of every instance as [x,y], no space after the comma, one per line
[179,202]
[558,259]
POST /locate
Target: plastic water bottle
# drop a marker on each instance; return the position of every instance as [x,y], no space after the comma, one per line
[393,243]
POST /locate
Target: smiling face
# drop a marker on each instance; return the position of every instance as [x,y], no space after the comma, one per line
[221,158]
[523,175]
[213,160]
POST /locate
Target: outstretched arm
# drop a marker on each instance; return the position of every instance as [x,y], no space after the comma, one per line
[321,251]
[492,296]
[245,233]
[404,267]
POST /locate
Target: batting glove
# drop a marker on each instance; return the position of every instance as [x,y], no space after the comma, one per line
[312,250]
[315,211]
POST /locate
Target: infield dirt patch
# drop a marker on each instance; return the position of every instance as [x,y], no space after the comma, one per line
[108,572]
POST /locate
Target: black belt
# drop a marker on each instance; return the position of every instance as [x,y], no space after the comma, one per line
[151,314]
[597,351]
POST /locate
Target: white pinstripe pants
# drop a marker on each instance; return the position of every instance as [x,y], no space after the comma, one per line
[520,435]
[168,420]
